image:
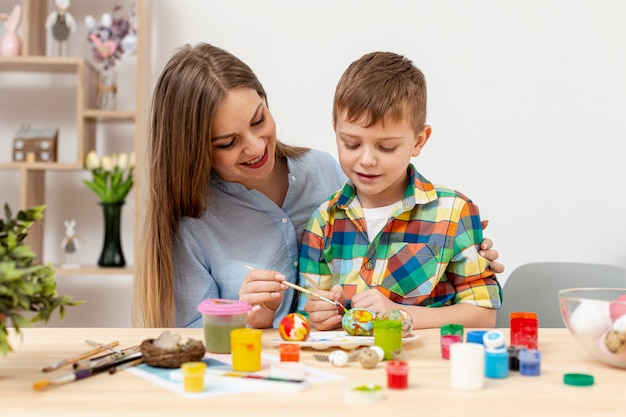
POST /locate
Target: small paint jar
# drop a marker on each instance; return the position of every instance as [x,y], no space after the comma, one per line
[467,366]
[449,334]
[493,339]
[246,349]
[496,363]
[529,362]
[524,329]
[513,357]
[193,376]
[397,375]
[388,336]
[289,352]
[475,336]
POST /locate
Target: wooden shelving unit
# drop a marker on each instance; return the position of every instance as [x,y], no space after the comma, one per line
[34,60]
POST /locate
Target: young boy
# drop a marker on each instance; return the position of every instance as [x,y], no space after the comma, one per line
[389,238]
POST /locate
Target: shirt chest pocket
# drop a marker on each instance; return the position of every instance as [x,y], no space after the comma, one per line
[413,269]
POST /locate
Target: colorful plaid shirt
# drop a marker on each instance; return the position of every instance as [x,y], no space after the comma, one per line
[426,254]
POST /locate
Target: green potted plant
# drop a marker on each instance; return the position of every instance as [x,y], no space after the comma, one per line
[28,292]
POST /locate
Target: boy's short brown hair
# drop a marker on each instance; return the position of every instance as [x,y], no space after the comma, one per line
[380,85]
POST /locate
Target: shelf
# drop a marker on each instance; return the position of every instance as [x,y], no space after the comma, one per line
[43,166]
[78,73]
[43,64]
[91,270]
[109,115]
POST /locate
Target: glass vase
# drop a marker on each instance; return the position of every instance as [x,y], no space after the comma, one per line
[112,254]
[107,88]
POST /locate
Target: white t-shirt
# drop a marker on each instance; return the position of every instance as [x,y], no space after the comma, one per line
[376,218]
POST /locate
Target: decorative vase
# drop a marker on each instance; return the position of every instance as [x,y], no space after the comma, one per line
[112,255]
[107,88]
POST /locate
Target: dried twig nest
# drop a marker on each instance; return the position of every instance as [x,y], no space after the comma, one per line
[169,351]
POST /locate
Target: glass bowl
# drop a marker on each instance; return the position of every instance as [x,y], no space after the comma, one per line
[596,318]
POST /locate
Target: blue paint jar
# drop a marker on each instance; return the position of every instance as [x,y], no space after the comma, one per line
[496,363]
[529,362]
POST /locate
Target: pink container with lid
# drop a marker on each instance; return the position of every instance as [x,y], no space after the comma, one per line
[219,317]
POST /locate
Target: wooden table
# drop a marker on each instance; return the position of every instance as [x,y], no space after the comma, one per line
[429,392]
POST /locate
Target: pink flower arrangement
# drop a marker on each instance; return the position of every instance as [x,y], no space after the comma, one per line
[111,37]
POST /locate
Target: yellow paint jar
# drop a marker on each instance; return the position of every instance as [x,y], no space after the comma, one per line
[245,346]
[193,376]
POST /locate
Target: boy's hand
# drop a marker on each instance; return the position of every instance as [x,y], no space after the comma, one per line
[323,315]
[490,254]
[373,300]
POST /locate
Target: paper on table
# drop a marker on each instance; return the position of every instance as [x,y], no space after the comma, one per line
[217,385]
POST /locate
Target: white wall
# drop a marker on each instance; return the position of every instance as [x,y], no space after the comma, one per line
[527,100]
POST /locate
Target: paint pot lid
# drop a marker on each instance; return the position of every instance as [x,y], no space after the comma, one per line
[223,307]
[580,380]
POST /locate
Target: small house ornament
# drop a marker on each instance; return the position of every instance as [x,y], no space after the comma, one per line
[35,145]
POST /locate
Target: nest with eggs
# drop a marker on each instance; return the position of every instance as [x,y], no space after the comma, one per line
[170,350]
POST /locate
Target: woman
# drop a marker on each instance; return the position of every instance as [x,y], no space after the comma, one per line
[224,194]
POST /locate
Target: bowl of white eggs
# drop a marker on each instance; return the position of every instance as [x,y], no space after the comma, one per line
[596,318]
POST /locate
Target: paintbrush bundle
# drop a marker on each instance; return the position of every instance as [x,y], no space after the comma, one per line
[86,372]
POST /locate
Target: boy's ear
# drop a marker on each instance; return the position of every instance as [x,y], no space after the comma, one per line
[421,139]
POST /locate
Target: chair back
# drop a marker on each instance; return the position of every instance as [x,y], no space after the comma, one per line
[534,287]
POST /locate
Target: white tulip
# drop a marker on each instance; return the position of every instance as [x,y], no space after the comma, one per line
[132,160]
[92,161]
[107,163]
[122,161]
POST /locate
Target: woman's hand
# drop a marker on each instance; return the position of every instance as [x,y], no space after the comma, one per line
[490,254]
[263,290]
[322,314]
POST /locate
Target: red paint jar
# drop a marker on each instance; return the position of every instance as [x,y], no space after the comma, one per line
[524,329]
[397,375]
[289,352]
[450,333]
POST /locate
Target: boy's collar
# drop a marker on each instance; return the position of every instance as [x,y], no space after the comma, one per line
[418,191]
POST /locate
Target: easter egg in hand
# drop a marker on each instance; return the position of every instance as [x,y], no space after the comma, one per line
[294,327]
[359,322]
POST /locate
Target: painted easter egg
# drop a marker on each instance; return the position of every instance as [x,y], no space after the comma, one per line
[401,315]
[359,322]
[617,308]
[294,327]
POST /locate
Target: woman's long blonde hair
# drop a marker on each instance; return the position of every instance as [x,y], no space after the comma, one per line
[187,95]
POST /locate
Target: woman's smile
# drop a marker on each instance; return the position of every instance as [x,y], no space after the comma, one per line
[257,162]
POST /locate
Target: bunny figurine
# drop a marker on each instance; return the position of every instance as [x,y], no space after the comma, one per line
[11,44]
[70,244]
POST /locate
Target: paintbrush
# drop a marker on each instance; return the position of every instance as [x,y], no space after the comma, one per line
[104,359]
[84,373]
[102,345]
[125,366]
[308,292]
[310,281]
[78,357]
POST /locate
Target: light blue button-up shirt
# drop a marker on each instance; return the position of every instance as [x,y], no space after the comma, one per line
[244,227]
